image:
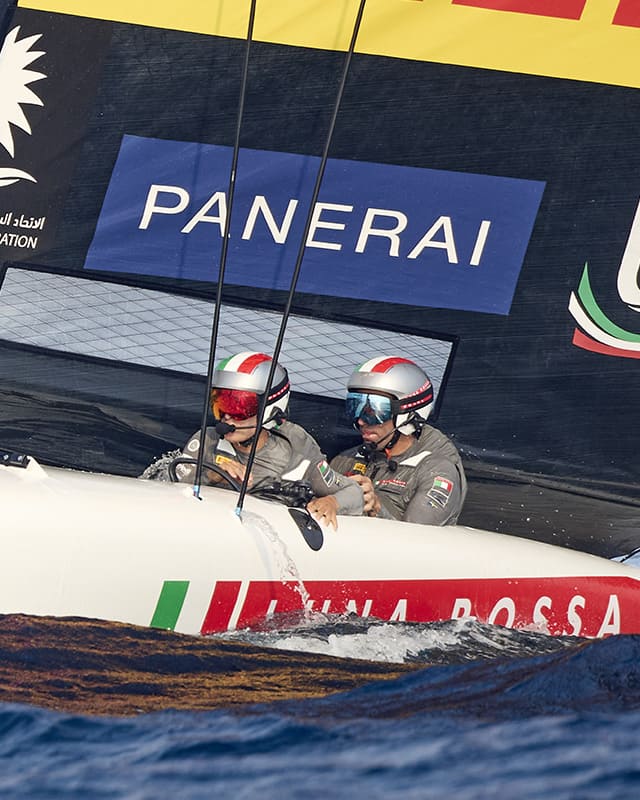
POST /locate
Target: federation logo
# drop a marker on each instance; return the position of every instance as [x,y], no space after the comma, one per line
[595,331]
[15,92]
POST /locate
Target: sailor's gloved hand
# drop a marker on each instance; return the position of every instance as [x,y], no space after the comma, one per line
[235,470]
[324,510]
[371,502]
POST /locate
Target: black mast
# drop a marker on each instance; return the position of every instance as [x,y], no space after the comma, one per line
[298,264]
[223,254]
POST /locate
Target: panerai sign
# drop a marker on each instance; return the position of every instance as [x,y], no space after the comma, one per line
[378,231]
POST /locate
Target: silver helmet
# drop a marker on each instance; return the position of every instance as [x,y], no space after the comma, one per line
[403,381]
[248,372]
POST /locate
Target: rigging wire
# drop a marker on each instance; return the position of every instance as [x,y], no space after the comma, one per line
[298,264]
[223,254]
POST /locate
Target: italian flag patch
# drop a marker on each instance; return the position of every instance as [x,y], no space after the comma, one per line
[443,484]
[327,473]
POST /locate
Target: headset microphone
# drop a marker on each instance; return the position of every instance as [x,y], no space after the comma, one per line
[222,428]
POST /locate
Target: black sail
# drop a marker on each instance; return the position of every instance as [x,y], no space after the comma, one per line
[478,217]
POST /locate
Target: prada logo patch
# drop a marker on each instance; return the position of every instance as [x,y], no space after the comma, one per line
[394,483]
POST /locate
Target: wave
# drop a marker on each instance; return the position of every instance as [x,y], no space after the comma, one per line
[354,637]
[597,676]
[504,712]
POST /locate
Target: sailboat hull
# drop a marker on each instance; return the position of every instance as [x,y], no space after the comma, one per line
[149,553]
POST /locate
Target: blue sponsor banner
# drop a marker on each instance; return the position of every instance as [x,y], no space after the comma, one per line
[379,232]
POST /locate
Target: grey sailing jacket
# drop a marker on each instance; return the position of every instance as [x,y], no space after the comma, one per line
[425,484]
[290,453]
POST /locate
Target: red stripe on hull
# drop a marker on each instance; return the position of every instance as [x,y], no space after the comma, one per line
[584,606]
[221,605]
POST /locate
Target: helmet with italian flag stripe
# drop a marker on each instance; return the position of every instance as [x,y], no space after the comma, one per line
[403,381]
[248,372]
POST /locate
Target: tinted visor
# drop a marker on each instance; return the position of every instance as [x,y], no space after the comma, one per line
[234,403]
[372,409]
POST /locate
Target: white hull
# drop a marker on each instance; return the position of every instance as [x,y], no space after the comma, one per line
[149,553]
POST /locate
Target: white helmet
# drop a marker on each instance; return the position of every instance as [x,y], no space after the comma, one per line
[408,387]
[247,372]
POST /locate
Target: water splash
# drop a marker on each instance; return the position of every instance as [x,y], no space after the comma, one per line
[449,642]
[288,570]
[158,470]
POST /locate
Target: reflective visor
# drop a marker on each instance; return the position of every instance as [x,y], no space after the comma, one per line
[234,403]
[372,409]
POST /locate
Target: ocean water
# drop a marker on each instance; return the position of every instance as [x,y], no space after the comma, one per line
[492,713]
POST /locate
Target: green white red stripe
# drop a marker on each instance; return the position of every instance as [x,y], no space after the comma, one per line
[243,362]
[596,331]
[570,605]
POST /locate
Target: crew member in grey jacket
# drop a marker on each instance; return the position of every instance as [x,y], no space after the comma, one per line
[408,470]
[284,450]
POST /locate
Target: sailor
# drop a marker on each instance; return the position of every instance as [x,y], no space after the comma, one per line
[408,470]
[283,450]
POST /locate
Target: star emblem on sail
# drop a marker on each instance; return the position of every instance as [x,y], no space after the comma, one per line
[596,332]
[15,92]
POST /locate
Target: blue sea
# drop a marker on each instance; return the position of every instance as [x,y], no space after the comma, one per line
[489,713]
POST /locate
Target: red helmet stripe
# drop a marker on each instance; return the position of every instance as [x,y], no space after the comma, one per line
[387,363]
[250,363]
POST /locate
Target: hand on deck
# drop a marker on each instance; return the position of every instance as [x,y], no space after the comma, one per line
[371,502]
[324,510]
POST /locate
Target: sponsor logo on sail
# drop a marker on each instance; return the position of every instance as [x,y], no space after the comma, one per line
[596,331]
[16,79]
[378,231]
[530,36]
[17,230]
